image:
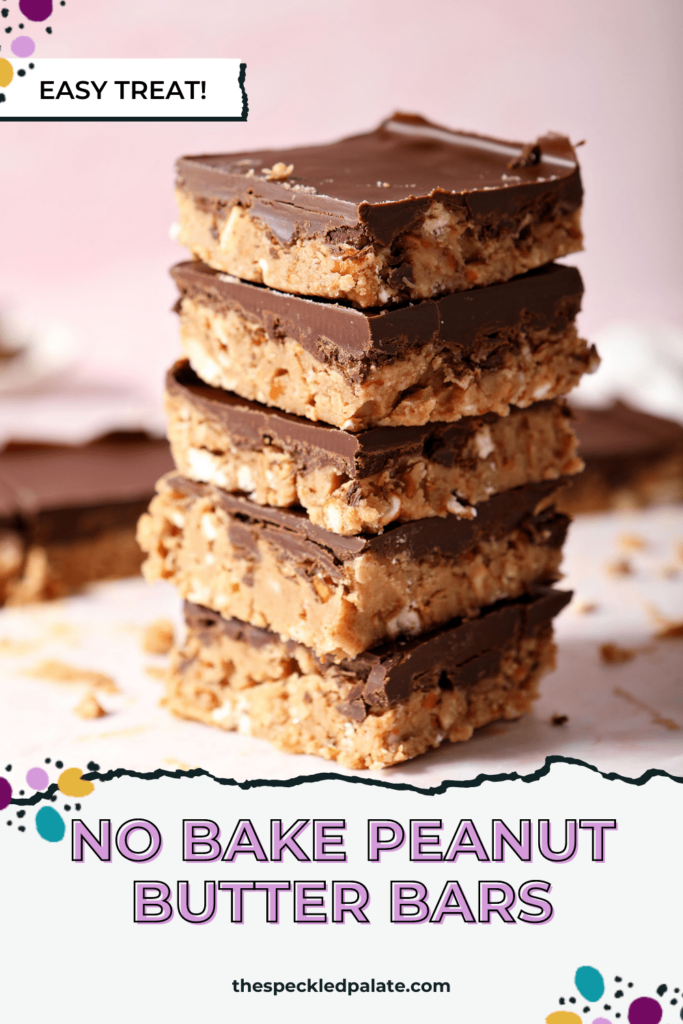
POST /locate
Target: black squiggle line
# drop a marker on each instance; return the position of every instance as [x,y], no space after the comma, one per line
[406,787]
[245,98]
[37,797]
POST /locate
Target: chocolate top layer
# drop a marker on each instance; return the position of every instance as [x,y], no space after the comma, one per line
[378,185]
[457,655]
[621,430]
[249,424]
[55,491]
[315,549]
[549,296]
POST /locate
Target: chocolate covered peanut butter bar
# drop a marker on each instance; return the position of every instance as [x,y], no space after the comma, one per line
[340,595]
[632,459]
[68,514]
[407,211]
[360,483]
[375,710]
[436,360]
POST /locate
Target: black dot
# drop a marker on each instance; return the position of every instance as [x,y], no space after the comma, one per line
[661,990]
[561,1000]
[607,1006]
[77,806]
[21,792]
[586,1009]
[48,759]
[48,30]
[673,1002]
[8,768]
[21,73]
[67,807]
[93,767]
[617,1015]
[676,990]
[21,814]
[8,29]
[618,994]
[2,97]
[5,12]
[21,828]
[9,821]
[31,66]
[53,798]
[59,764]
[630,984]
[21,26]
[571,999]
[617,979]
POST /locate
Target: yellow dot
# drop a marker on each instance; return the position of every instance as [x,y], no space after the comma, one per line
[563,1017]
[6,72]
[71,784]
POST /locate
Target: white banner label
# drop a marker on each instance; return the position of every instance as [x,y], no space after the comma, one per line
[511,901]
[99,89]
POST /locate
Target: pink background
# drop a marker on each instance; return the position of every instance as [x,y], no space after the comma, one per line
[86,208]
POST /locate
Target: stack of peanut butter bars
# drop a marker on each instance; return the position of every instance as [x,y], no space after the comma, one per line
[369,432]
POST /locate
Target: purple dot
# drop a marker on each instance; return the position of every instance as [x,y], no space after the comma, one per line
[5,793]
[644,1011]
[37,778]
[36,10]
[23,46]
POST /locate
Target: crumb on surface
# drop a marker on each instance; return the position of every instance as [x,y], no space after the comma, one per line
[155,671]
[670,631]
[158,637]
[175,763]
[60,672]
[559,720]
[671,572]
[12,647]
[632,542]
[586,607]
[614,654]
[89,707]
[278,172]
[620,567]
[657,718]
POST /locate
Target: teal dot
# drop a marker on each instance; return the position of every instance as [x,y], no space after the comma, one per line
[590,983]
[50,824]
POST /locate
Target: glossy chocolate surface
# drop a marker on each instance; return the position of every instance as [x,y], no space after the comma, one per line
[549,297]
[371,188]
[58,492]
[621,430]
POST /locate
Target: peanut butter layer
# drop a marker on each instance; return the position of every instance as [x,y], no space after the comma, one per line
[360,483]
[341,595]
[45,572]
[462,355]
[381,708]
[408,211]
